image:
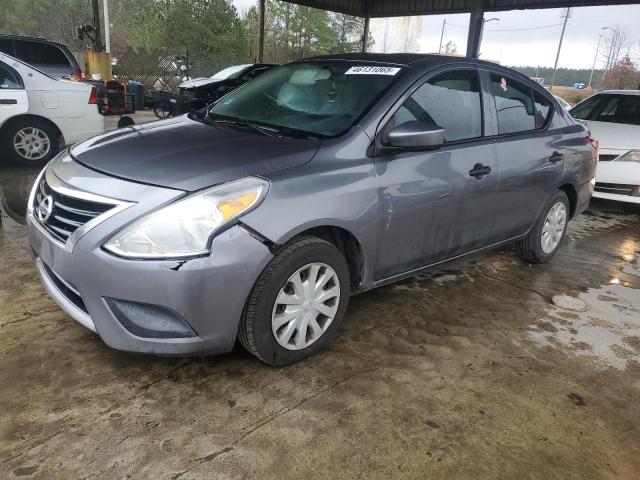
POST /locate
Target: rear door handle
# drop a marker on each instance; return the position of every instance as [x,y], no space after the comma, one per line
[8,101]
[556,157]
[479,171]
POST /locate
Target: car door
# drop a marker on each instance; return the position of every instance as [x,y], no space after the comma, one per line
[437,204]
[13,96]
[530,152]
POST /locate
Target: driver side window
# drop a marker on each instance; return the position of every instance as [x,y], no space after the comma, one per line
[450,100]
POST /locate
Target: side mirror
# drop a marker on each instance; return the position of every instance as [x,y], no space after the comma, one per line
[416,134]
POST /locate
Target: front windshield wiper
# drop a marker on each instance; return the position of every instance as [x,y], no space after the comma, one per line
[268,131]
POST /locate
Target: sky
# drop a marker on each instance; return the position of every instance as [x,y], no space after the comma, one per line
[534,47]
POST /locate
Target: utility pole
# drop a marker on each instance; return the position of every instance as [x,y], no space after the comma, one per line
[482,31]
[107,27]
[444,23]
[595,58]
[261,31]
[567,14]
[97,40]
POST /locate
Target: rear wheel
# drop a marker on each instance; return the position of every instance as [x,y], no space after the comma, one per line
[547,235]
[297,303]
[31,141]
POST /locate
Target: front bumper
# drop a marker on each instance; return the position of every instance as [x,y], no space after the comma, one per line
[208,293]
[619,181]
[617,197]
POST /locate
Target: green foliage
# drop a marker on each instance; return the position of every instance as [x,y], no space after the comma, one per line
[564,76]
[294,31]
[207,28]
[212,31]
[51,19]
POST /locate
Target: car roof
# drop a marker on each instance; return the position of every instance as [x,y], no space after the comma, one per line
[31,39]
[428,60]
[403,59]
[621,92]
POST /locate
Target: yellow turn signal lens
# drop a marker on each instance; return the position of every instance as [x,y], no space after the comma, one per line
[233,206]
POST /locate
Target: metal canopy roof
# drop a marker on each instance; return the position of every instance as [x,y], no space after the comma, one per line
[395,8]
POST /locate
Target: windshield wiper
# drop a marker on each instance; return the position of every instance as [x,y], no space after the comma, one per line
[268,131]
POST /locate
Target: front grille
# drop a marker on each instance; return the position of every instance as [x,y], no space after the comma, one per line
[68,213]
[617,188]
[70,293]
[607,158]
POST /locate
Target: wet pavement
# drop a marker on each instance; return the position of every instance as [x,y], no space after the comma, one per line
[486,368]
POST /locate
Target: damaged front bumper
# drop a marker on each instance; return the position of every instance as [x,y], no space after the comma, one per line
[162,307]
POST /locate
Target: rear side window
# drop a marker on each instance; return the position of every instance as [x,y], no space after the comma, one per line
[516,110]
[9,79]
[610,108]
[40,53]
[450,100]
[6,46]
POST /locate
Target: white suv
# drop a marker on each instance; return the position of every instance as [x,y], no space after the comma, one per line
[39,113]
[614,119]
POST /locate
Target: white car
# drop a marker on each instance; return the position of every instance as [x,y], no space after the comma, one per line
[614,119]
[39,114]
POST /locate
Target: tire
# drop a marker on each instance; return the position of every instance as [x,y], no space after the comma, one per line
[26,130]
[531,249]
[125,122]
[256,333]
[162,109]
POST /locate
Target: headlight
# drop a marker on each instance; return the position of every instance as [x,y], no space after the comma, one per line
[631,156]
[184,228]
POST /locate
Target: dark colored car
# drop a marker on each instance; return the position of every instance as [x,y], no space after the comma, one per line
[223,82]
[258,218]
[200,92]
[50,57]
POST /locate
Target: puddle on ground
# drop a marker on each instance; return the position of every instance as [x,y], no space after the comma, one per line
[608,331]
[585,225]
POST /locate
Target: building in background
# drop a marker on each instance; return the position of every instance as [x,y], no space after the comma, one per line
[396,34]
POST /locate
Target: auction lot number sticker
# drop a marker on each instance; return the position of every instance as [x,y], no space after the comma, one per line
[367,70]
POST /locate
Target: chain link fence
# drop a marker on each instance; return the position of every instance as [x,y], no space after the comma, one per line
[161,70]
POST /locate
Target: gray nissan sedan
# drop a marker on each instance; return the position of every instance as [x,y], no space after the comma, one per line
[256,219]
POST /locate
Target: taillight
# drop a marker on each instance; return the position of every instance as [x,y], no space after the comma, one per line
[593,142]
[93,98]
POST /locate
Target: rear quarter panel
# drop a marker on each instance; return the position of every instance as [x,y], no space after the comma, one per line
[581,160]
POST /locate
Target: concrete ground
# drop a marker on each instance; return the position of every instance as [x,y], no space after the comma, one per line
[469,372]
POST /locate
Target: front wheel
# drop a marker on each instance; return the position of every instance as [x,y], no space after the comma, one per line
[547,234]
[297,303]
[162,109]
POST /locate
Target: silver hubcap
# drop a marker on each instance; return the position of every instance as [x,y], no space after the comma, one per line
[553,227]
[305,306]
[31,143]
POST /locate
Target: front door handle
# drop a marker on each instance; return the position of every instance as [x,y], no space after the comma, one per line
[480,171]
[556,157]
[8,101]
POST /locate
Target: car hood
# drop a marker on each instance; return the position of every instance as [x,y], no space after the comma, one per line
[188,155]
[615,136]
[199,82]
